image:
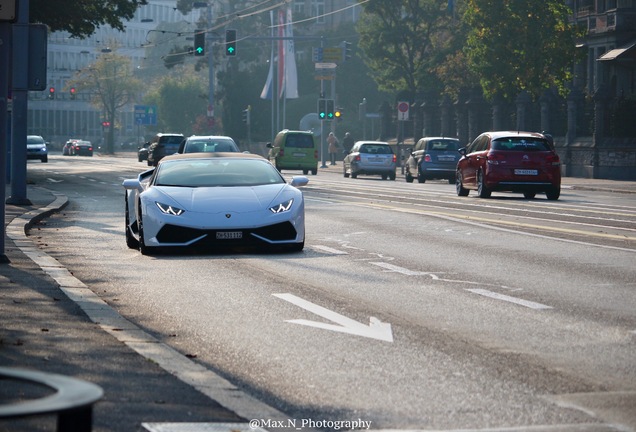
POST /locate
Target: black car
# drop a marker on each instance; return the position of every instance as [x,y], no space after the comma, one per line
[83,148]
[163,144]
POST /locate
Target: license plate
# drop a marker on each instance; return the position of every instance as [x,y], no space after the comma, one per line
[446,158]
[375,159]
[299,154]
[229,235]
[526,172]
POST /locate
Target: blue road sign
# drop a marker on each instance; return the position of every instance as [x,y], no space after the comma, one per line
[146,115]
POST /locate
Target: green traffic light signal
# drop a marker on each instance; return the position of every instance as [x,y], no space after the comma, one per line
[230,42]
[199,43]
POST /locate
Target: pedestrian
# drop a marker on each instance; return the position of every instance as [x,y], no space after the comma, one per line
[333,147]
[347,143]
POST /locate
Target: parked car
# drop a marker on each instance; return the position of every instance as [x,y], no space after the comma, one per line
[36,148]
[214,200]
[294,150]
[509,161]
[83,148]
[433,158]
[142,152]
[163,144]
[370,158]
[208,144]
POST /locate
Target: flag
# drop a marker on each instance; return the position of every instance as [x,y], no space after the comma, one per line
[281,53]
[291,75]
[267,89]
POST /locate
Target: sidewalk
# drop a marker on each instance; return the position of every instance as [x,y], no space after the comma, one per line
[42,329]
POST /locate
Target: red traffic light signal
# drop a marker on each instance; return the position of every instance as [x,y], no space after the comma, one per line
[51,92]
[106,124]
[73,92]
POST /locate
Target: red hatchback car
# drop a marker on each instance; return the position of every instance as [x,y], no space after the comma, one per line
[509,161]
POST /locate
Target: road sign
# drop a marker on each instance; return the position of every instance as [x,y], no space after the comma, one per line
[403,111]
[7,10]
[332,54]
[146,115]
[326,65]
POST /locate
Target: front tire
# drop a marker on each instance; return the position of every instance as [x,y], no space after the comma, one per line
[461,190]
[145,250]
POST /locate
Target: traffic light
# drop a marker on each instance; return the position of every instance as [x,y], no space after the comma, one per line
[326,109]
[346,50]
[246,114]
[73,92]
[330,109]
[322,109]
[51,92]
[230,42]
[199,43]
[338,114]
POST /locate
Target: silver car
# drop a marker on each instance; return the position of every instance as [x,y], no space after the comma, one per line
[208,144]
[370,158]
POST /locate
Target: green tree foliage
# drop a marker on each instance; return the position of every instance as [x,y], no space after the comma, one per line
[81,17]
[403,41]
[112,85]
[519,45]
[181,101]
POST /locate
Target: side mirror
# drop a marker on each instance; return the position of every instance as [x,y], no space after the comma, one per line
[462,151]
[298,181]
[269,145]
[132,184]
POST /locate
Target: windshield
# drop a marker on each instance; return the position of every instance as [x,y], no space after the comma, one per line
[521,144]
[216,172]
[35,140]
[209,145]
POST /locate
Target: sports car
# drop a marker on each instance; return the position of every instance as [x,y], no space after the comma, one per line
[214,200]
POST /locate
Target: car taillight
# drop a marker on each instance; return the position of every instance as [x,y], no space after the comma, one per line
[553,159]
[90,148]
[495,158]
[316,154]
[357,158]
[427,158]
[281,153]
[394,158]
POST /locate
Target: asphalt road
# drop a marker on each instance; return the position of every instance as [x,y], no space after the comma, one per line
[410,307]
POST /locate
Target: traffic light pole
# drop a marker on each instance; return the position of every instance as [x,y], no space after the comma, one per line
[211,121]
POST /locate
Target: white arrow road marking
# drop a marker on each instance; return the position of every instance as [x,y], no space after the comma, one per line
[375,330]
[50,180]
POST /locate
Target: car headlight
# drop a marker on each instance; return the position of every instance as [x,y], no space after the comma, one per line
[282,207]
[168,209]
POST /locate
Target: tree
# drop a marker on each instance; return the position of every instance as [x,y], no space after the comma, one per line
[111,83]
[403,41]
[181,99]
[520,45]
[81,17]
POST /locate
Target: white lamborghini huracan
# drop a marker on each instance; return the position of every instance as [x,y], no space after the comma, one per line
[211,200]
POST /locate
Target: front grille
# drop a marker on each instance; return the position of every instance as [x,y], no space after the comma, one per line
[283,231]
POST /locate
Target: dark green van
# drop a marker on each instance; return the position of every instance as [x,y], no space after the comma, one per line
[294,150]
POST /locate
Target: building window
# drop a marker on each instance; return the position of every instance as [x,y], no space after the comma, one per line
[318,9]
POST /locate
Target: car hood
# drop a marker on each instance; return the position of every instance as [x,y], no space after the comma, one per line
[222,199]
[36,146]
